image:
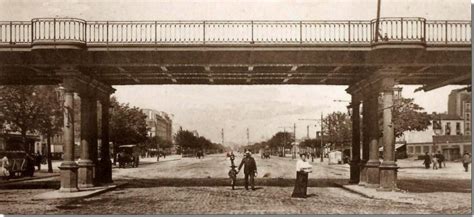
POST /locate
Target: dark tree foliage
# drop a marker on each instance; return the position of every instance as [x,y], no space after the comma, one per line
[127,124]
[409,116]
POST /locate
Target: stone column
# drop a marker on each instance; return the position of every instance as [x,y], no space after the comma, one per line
[105,164]
[86,165]
[373,125]
[68,167]
[93,138]
[355,168]
[365,143]
[388,168]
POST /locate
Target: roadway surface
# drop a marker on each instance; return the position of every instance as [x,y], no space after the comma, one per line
[178,185]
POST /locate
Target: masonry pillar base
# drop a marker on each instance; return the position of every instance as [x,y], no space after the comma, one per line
[68,176]
[355,172]
[373,174]
[388,176]
[104,171]
[86,173]
[363,173]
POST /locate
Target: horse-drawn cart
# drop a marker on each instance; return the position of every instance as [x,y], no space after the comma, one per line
[128,156]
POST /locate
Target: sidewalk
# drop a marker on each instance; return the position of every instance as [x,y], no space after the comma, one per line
[397,196]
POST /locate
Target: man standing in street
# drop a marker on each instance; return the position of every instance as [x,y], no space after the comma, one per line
[440,158]
[466,159]
[250,170]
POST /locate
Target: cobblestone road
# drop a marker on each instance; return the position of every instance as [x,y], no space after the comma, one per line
[200,186]
[217,200]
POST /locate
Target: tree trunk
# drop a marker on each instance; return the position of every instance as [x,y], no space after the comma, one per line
[50,164]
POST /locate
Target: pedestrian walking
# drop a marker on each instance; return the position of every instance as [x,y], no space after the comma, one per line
[38,159]
[232,172]
[466,159]
[301,184]
[30,165]
[427,160]
[440,158]
[434,160]
[250,170]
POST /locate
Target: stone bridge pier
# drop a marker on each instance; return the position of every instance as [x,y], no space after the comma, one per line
[89,171]
[368,170]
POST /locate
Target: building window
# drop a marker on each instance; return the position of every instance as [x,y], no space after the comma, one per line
[468,117]
[448,129]
[410,149]
[426,149]
[458,128]
[417,149]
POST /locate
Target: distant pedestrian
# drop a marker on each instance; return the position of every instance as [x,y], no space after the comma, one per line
[427,160]
[301,184]
[466,159]
[38,160]
[30,165]
[440,158]
[250,170]
[434,160]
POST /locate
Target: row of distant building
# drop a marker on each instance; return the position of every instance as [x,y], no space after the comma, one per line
[159,124]
[449,132]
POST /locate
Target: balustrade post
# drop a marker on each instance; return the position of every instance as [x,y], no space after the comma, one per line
[32,31]
[401,29]
[107,34]
[54,30]
[349,31]
[203,32]
[446,31]
[301,32]
[251,24]
[85,32]
[156,33]
[424,30]
[11,32]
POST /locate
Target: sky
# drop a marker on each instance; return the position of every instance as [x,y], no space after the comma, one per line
[263,109]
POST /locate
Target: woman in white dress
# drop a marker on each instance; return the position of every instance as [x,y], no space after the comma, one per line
[302,169]
[3,169]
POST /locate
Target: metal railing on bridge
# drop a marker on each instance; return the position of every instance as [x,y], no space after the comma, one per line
[105,33]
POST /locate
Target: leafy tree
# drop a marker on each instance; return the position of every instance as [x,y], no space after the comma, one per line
[186,140]
[337,128]
[51,117]
[127,124]
[281,140]
[21,109]
[409,116]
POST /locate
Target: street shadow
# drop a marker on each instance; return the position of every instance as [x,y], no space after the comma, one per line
[438,185]
[223,182]
[49,184]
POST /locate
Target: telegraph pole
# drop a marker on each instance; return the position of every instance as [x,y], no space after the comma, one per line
[294,140]
[248,137]
[307,131]
[322,146]
[222,135]
[377,33]
[284,139]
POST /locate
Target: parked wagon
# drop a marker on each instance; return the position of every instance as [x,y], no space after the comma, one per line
[128,156]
